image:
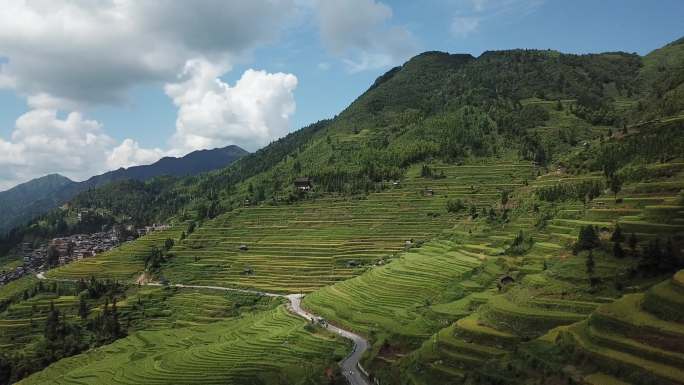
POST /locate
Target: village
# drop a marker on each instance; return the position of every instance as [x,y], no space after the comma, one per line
[63,250]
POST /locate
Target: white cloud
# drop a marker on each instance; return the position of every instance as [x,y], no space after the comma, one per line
[43,143]
[93,51]
[361,33]
[471,15]
[462,26]
[129,153]
[211,113]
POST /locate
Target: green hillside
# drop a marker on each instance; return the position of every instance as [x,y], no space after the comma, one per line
[510,218]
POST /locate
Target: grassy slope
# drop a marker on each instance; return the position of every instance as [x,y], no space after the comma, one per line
[264,347]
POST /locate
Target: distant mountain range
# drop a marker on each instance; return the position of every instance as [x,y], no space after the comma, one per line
[28,200]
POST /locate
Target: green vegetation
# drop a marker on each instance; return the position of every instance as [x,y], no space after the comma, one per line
[480,220]
[267,347]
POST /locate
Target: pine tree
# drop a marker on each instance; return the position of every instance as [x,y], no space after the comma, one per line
[618,252]
[633,243]
[588,239]
[590,263]
[83,308]
[617,235]
[52,323]
[615,184]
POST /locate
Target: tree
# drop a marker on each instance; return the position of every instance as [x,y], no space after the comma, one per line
[505,194]
[670,261]
[491,216]
[83,308]
[588,239]
[426,171]
[615,184]
[617,235]
[168,244]
[618,252]
[52,323]
[590,263]
[633,243]
[154,259]
[473,211]
[52,256]
[455,206]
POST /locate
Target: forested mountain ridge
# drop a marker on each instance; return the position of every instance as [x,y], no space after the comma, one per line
[37,197]
[27,199]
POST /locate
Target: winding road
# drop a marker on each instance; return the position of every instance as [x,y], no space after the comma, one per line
[350,365]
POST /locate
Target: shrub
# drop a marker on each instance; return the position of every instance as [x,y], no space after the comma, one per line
[455,206]
[520,245]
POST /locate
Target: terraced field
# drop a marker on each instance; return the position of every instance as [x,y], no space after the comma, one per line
[142,308]
[121,263]
[395,297]
[302,247]
[554,289]
[157,308]
[638,339]
[264,347]
[21,322]
[351,256]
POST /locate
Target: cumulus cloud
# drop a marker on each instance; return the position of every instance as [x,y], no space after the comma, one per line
[211,113]
[360,32]
[42,143]
[129,153]
[93,51]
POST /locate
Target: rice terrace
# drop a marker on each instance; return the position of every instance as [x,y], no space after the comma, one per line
[511,216]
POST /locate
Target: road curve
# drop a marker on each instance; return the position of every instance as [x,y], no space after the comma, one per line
[350,365]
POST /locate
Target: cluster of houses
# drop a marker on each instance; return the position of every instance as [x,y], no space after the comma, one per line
[149,229]
[7,276]
[81,246]
[69,249]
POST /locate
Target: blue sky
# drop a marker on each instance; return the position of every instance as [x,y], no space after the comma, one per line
[311,59]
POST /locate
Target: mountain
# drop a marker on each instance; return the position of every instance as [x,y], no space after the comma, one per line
[26,201]
[19,203]
[193,163]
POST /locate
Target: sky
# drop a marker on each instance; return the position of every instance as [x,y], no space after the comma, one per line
[88,86]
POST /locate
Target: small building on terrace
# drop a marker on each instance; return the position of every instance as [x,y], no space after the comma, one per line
[303,184]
